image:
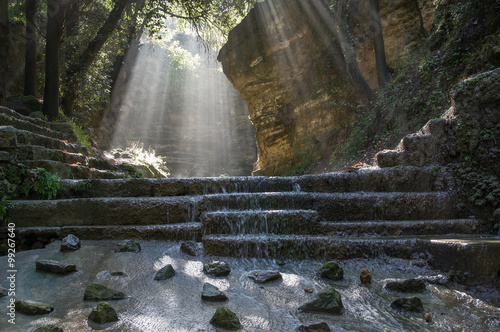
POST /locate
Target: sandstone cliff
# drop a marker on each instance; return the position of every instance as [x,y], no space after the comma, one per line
[292,63]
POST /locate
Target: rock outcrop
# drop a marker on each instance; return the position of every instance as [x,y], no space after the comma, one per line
[292,62]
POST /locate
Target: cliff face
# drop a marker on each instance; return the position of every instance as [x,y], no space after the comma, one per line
[290,61]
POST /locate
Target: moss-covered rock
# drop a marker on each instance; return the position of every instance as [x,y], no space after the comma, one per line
[328,300]
[128,246]
[407,286]
[29,307]
[226,319]
[410,304]
[165,273]
[103,313]
[217,269]
[332,271]
[98,292]
[212,293]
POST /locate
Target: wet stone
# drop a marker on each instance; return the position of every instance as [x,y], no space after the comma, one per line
[70,243]
[103,313]
[410,304]
[29,307]
[328,300]
[192,248]
[98,292]
[318,327]
[407,286]
[165,273]
[217,269]
[3,292]
[331,271]
[435,280]
[365,276]
[262,277]
[55,267]
[226,319]
[128,246]
[48,328]
[212,293]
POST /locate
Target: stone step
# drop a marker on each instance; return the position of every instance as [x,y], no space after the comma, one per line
[38,127]
[399,179]
[338,248]
[62,126]
[174,232]
[11,137]
[72,171]
[35,152]
[403,227]
[414,143]
[260,222]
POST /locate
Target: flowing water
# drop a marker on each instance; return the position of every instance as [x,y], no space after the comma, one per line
[176,305]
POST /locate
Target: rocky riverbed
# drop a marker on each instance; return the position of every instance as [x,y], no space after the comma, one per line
[175,304]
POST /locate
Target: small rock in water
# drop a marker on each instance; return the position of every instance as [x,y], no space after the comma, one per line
[318,327]
[366,276]
[212,293]
[217,269]
[436,280]
[29,307]
[226,319]
[332,271]
[327,300]
[428,318]
[165,273]
[48,328]
[98,292]
[3,292]
[128,246]
[262,277]
[118,274]
[192,248]
[70,243]
[103,313]
[407,286]
[55,267]
[308,290]
[411,304]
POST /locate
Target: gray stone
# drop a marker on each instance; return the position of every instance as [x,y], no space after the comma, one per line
[98,292]
[3,292]
[70,243]
[217,269]
[332,271]
[103,313]
[37,115]
[328,300]
[48,328]
[212,293]
[128,246]
[165,273]
[55,267]
[29,307]
[226,319]
[410,304]
[192,248]
[262,277]
[407,286]
[318,327]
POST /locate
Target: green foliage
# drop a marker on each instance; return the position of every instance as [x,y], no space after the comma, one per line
[301,169]
[40,181]
[5,205]
[83,138]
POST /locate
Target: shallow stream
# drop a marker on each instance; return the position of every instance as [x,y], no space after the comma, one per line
[176,305]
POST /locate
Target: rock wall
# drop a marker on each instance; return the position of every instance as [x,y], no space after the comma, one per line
[287,60]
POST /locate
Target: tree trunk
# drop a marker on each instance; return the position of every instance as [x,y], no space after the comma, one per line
[378,41]
[55,15]
[4,49]
[76,70]
[30,54]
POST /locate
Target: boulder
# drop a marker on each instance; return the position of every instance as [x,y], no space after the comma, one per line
[217,269]
[128,246]
[365,276]
[318,327]
[165,273]
[48,328]
[103,313]
[55,267]
[407,286]
[328,300]
[70,243]
[212,293]
[3,292]
[410,304]
[262,277]
[29,307]
[98,292]
[332,271]
[226,319]
[192,248]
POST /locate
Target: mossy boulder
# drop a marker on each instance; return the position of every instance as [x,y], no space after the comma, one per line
[103,313]
[407,286]
[331,271]
[128,246]
[165,273]
[410,304]
[24,104]
[226,319]
[262,277]
[98,292]
[29,307]
[48,328]
[212,293]
[328,300]
[54,267]
[217,269]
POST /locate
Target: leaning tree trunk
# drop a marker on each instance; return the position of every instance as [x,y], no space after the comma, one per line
[4,49]
[30,54]
[55,15]
[378,41]
[77,69]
